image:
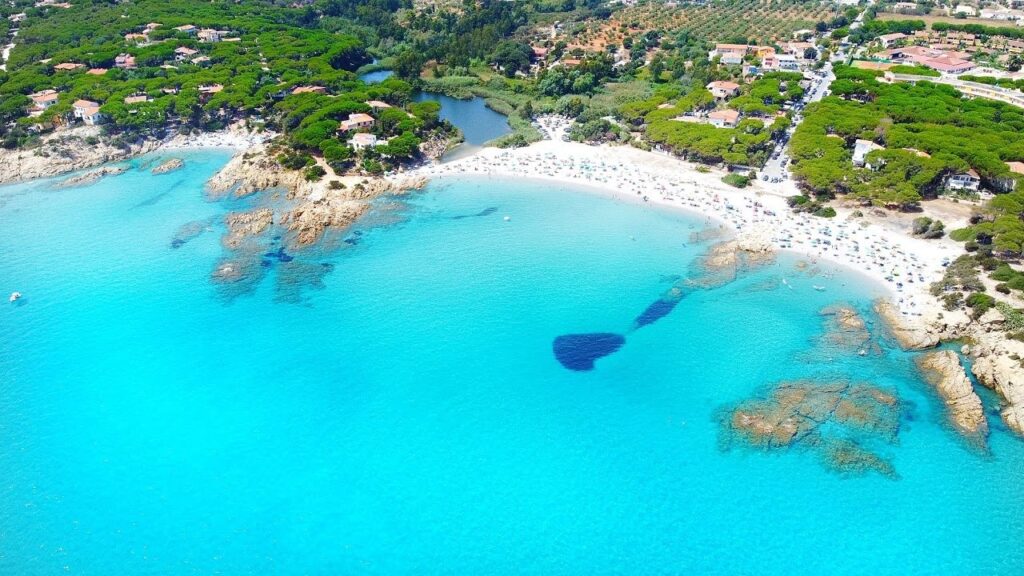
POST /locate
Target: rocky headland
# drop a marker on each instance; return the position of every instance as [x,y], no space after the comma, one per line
[996,357]
[312,206]
[64,151]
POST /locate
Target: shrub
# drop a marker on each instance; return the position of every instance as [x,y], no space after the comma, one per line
[314,173]
[980,303]
[737,180]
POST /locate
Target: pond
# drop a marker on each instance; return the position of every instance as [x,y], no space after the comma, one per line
[376,76]
[478,123]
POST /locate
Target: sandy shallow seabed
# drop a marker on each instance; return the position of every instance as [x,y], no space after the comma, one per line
[886,255]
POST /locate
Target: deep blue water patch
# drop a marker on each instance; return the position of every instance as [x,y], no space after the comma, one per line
[280,255]
[656,311]
[579,351]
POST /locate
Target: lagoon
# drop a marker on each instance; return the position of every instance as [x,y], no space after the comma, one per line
[478,123]
[405,414]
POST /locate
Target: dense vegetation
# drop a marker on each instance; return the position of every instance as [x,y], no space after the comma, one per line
[928,130]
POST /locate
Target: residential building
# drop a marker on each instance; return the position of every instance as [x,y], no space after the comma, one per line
[207,90]
[126,61]
[136,38]
[68,66]
[97,71]
[309,90]
[87,111]
[187,29]
[723,90]
[183,53]
[137,99]
[44,99]
[210,35]
[358,121]
[861,149]
[964,181]
[377,104]
[362,141]
[724,118]
[890,40]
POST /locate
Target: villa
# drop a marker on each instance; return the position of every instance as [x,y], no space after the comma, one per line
[187,29]
[88,111]
[861,149]
[44,99]
[309,90]
[211,35]
[964,181]
[362,141]
[126,61]
[890,40]
[137,99]
[377,104]
[97,71]
[724,118]
[136,37]
[722,90]
[184,53]
[67,66]
[357,121]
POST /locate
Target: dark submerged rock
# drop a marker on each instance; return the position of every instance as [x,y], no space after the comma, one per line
[579,351]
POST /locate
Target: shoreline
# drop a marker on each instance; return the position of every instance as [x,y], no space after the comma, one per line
[882,255]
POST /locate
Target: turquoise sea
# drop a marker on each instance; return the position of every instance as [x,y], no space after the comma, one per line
[391,404]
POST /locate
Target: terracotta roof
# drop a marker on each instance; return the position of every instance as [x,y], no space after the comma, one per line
[1016,167]
[727,115]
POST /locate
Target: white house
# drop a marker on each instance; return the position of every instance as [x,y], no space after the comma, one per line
[87,111]
[964,181]
[362,141]
[861,149]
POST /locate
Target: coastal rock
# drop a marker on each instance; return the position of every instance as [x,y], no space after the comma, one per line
[821,416]
[845,328]
[998,365]
[242,225]
[169,166]
[911,334]
[90,177]
[66,150]
[942,370]
[724,261]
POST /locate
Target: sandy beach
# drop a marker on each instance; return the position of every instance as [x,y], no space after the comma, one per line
[903,264]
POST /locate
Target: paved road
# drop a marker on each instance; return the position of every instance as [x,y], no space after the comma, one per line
[776,165]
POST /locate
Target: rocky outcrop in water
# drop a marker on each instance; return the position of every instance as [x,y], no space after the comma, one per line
[942,370]
[725,261]
[846,329]
[90,177]
[169,166]
[242,225]
[836,420]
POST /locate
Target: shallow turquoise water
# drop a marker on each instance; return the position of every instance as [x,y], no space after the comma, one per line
[410,418]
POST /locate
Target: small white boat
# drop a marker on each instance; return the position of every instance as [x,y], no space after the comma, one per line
[15,296]
[819,288]
[508,218]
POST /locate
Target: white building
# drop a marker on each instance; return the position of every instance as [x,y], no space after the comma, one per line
[861,149]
